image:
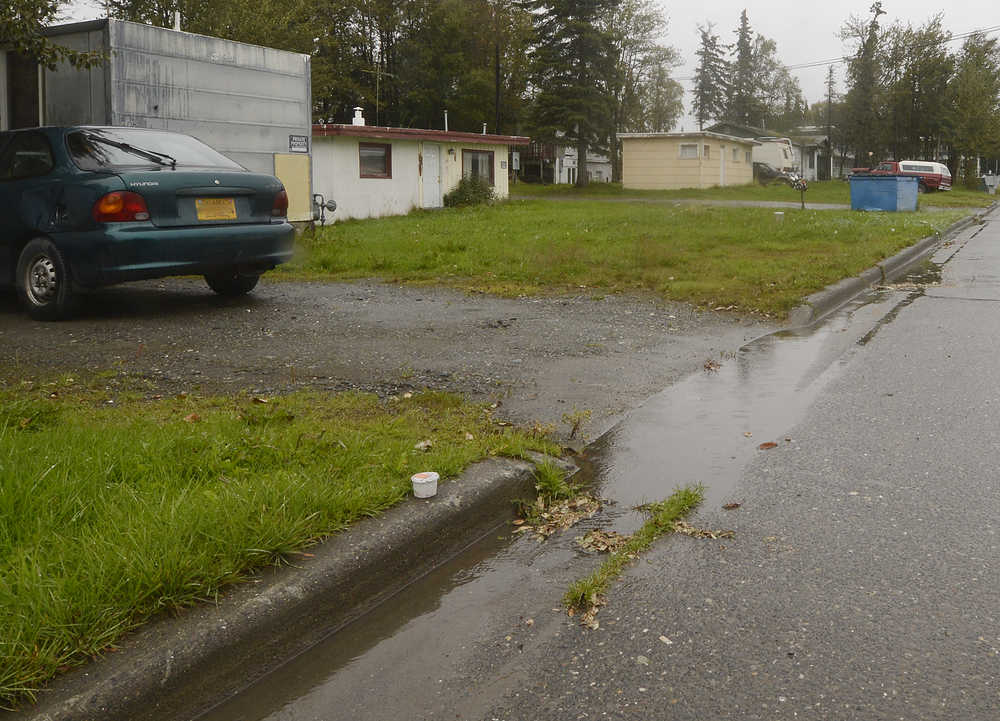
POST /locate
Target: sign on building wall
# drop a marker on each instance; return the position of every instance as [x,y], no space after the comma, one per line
[298,143]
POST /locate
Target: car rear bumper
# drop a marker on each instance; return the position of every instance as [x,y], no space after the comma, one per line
[120,252]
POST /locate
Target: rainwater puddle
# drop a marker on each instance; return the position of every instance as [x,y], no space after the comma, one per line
[417,654]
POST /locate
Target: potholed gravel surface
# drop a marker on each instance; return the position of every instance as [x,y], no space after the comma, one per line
[539,358]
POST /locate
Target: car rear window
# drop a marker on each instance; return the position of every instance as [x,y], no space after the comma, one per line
[105,148]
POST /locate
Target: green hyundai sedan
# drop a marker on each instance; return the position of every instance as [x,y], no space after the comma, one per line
[85,207]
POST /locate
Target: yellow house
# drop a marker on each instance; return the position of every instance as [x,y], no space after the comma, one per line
[662,161]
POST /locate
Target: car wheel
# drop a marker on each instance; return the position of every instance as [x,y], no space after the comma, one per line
[231,283]
[42,281]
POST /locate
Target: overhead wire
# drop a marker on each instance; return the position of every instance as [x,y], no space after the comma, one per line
[845,58]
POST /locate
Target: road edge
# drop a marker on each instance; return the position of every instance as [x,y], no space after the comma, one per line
[823,302]
[177,668]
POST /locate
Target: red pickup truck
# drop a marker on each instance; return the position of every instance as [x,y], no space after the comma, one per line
[933,176]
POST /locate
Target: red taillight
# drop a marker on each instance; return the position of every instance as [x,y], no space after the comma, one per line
[280,209]
[120,206]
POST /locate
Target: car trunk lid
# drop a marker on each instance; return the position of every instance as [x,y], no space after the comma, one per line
[196,197]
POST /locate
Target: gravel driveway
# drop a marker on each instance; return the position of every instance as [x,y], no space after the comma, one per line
[539,358]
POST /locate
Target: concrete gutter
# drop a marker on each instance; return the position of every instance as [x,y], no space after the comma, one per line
[176,668]
[824,302]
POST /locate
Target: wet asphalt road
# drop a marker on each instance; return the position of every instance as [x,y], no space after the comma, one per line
[863,581]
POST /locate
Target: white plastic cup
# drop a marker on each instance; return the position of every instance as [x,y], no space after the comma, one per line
[779,215]
[425,485]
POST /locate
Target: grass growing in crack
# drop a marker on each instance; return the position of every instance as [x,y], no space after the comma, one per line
[113,513]
[552,486]
[586,592]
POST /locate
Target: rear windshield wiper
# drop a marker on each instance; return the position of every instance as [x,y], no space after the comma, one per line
[158,158]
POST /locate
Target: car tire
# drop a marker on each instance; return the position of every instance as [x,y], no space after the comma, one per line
[231,283]
[43,282]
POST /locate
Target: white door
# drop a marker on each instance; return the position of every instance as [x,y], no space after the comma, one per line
[432,176]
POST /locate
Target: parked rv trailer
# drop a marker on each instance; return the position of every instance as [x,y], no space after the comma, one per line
[776,152]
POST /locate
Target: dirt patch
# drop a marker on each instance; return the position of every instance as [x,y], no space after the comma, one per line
[542,360]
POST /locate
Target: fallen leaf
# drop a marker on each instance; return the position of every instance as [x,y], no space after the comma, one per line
[259,400]
[731,506]
[666,640]
[424,445]
[25,422]
[642,660]
[469,437]
[192,418]
[518,521]
[407,395]
[747,434]
[767,445]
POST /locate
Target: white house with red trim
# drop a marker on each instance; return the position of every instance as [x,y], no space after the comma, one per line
[374,171]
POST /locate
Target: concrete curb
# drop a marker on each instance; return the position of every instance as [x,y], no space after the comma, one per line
[823,302]
[176,668]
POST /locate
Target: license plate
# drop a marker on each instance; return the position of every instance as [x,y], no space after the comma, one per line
[215,208]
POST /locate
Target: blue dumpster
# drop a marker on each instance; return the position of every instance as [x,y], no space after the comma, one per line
[883,192]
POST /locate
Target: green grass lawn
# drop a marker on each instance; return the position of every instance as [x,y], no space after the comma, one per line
[706,255]
[829,191]
[111,513]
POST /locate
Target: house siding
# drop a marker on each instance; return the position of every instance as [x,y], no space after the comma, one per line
[337,174]
[654,163]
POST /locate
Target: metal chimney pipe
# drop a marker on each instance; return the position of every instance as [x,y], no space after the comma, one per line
[446,121]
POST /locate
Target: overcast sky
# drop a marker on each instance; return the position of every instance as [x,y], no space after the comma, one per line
[805,31]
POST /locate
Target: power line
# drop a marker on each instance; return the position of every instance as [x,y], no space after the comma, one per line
[844,58]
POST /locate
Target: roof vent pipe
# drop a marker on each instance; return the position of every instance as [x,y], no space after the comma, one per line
[484,128]
[177,19]
[359,119]
[446,121]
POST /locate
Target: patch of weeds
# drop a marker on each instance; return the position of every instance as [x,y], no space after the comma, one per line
[711,366]
[585,596]
[558,506]
[576,420]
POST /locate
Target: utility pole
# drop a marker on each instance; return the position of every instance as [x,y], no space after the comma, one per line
[829,115]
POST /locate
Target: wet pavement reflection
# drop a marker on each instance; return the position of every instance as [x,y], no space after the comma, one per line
[406,658]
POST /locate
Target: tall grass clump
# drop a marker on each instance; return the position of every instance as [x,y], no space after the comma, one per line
[111,514]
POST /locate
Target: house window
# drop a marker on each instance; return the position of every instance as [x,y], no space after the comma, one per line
[748,156]
[689,150]
[707,154]
[478,164]
[812,161]
[736,155]
[375,159]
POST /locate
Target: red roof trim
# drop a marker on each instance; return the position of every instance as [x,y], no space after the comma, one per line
[371,131]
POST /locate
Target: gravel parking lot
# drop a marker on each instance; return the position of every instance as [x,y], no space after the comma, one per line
[539,358]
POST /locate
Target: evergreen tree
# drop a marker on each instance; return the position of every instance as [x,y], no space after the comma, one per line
[862,104]
[710,85]
[572,61]
[741,104]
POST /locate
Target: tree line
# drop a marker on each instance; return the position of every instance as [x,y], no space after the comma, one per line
[583,71]
[907,95]
[910,96]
